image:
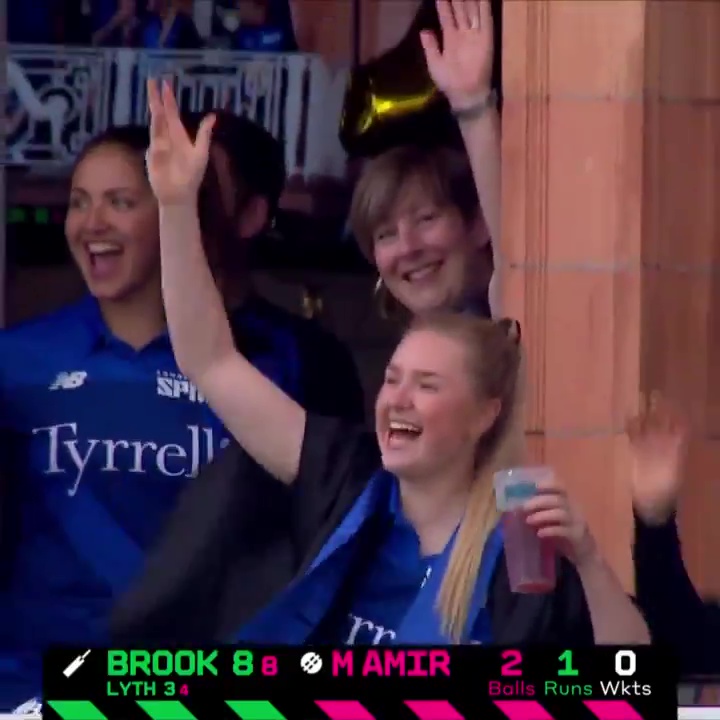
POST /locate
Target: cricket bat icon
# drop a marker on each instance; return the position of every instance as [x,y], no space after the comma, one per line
[74,666]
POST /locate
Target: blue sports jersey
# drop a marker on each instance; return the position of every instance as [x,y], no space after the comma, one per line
[98,441]
[265,38]
[182,34]
[389,585]
[299,615]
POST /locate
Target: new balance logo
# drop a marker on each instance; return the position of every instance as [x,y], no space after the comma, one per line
[68,381]
[175,385]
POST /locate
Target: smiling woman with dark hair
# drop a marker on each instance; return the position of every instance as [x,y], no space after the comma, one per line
[103,431]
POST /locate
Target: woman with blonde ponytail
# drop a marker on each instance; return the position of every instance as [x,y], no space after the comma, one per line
[614,617]
[481,516]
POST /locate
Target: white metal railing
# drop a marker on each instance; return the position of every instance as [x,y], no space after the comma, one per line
[58,98]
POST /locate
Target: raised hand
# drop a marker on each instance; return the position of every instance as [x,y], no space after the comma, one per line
[462,70]
[176,165]
[658,442]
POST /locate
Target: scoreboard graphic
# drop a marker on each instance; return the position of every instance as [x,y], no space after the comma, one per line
[380,683]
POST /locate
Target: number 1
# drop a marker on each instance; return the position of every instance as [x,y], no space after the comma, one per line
[567,660]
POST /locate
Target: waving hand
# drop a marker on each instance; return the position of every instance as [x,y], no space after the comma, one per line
[176,165]
[463,68]
[658,443]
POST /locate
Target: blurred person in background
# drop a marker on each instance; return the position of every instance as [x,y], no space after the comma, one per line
[250,166]
[115,23]
[255,25]
[169,24]
[265,26]
[426,217]
[675,612]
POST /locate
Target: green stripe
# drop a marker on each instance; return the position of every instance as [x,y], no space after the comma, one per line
[75,710]
[165,710]
[255,710]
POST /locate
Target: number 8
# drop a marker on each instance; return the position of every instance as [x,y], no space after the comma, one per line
[625,663]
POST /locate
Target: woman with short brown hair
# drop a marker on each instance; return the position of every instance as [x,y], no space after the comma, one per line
[426,217]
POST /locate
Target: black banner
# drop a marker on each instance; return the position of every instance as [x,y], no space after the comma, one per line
[458,683]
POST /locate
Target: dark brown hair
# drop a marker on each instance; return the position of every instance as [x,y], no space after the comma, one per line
[256,158]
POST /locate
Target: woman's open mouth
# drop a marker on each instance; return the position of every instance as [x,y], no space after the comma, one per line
[425,272]
[400,434]
[104,258]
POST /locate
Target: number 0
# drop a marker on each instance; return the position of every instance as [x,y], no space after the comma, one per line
[625,663]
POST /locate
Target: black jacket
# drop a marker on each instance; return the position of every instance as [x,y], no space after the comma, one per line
[220,561]
[327,375]
[675,613]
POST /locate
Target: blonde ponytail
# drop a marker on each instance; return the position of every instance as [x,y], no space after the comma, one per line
[496,365]
[481,515]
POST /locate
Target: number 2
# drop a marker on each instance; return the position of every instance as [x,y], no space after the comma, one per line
[512,658]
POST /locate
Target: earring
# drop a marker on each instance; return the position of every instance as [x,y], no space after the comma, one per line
[384,300]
